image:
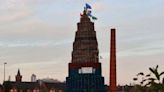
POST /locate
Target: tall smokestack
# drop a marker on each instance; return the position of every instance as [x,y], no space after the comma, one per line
[113,84]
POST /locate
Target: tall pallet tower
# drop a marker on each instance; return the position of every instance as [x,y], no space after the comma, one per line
[85,69]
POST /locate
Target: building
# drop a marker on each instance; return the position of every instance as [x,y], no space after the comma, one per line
[37,86]
[1,88]
[85,69]
[18,77]
[33,78]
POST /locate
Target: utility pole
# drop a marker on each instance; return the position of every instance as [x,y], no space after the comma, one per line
[4,76]
[4,70]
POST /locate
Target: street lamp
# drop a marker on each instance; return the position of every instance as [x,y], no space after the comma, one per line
[4,70]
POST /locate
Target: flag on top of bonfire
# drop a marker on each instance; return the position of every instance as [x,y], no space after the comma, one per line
[89,12]
[87,6]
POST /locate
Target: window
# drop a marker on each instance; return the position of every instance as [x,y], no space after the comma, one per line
[52,90]
[13,90]
[86,70]
[36,90]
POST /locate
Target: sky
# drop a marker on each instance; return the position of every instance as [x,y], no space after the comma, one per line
[36,36]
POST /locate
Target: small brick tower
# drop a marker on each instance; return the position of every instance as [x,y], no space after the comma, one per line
[85,69]
[112,75]
[18,77]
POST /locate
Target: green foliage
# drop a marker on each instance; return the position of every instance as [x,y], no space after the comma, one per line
[150,83]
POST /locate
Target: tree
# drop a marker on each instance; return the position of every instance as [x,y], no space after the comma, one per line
[150,83]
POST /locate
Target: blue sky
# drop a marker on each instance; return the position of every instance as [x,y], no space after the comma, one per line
[37,35]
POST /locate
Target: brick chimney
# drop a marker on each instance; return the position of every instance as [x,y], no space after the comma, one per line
[113,84]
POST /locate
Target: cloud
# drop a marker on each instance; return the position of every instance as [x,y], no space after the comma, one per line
[46,43]
[13,17]
[13,11]
[99,6]
[37,32]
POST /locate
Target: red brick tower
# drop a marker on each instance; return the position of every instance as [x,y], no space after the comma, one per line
[18,77]
[113,83]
